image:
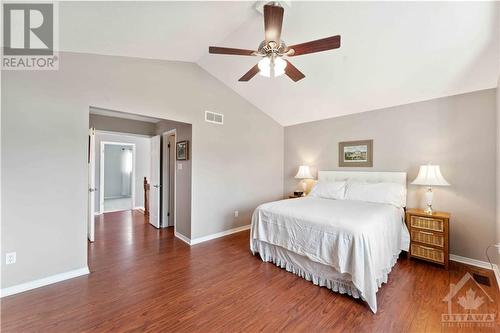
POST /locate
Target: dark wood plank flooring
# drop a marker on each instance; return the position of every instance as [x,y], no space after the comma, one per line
[146,280]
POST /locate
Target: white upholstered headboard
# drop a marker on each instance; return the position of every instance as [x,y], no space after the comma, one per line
[364,176]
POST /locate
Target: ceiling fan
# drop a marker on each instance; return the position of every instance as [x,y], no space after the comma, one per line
[273,49]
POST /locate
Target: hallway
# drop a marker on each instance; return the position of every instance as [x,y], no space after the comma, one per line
[118,204]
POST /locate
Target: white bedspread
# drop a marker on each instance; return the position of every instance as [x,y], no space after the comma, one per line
[360,238]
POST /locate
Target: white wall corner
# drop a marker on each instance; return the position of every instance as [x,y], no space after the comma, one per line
[43,282]
[498,166]
[182,238]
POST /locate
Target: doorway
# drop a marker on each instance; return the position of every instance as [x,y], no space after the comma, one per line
[155,168]
[117,176]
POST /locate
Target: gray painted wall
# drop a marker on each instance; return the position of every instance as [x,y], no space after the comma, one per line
[183,185]
[142,162]
[457,132]
[234,167]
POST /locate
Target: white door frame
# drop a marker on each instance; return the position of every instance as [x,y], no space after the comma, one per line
[91,187]
[163,135]
[101,172]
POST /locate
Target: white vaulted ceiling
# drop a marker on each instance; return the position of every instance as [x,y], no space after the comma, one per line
[177,30]
[392,53]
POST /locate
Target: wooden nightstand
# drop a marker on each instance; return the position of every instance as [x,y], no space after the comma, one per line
[429,235]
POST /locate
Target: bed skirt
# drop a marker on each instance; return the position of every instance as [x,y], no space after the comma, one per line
[319,274]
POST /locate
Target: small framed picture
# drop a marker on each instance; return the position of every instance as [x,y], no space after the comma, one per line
[182,150]
[356,153]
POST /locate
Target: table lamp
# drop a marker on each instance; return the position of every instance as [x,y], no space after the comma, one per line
[430,175]
[304,173]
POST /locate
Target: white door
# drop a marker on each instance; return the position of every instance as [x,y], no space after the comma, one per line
[91,187]
[155,189]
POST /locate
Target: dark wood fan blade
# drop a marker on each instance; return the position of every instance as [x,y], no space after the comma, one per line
[228,50]
[250,74]
[319,45]
[292,72]
[273,20]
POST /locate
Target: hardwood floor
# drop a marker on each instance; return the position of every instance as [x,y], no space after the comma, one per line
[146,280]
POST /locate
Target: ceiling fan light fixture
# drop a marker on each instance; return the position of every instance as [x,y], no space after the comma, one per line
[273,48]
[265,67]
[272,66]
[279,66]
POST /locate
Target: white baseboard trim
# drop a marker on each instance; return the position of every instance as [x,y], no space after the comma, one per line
[210,237]
[182,238]
[117,210]
[43,282]
[139,207]
[478,263]
[219,234]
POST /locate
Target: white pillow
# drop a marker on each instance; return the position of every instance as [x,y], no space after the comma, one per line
[388,193]
[329,190]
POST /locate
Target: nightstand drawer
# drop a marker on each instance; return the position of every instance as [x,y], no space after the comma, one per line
[427,237]
[425,252]
[427,223]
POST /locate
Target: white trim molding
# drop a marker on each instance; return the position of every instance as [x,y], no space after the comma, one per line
[210,237]
[43,282]
[182,238]
[219,234]
[478,263]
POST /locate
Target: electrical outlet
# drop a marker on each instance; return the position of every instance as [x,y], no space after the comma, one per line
[236,213]
[10,258]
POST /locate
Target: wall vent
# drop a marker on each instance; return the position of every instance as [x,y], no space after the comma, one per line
[213,117]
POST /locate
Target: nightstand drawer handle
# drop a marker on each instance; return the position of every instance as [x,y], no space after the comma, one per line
[427,248]
[426,233]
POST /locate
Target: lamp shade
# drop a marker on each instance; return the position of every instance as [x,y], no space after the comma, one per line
[304,172]
[430,175]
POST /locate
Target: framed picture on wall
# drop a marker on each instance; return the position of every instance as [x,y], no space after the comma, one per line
[356,153]
[182,150]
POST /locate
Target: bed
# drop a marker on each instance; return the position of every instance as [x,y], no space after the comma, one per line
[348,244]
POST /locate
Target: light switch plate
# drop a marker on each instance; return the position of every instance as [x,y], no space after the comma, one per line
[179,166]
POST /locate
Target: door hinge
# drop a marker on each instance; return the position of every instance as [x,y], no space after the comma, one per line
[168,214]
[169,145]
